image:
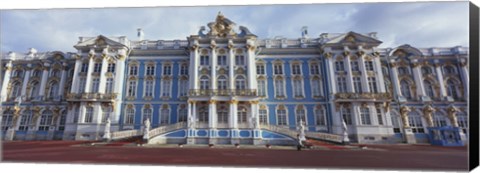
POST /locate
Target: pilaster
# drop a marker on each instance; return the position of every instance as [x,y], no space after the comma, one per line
[26,78]
[6,81]
[103,78]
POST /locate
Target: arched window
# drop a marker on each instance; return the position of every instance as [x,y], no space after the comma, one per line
[45,120]
[439,119]
[53,91]
[129,116]
[240,83]
[346,114]
[222,83]
[164,115]
[426,70]
[36,73]
[429,89]
[320,119]
[452,89]
[34,90]
[25,120]
[55,73]
[17,73]
[203,115]
[183,88]
[462,121]
[281,117]
[415,121]
[300,114]
[405,89]
[204,83]
[62,121]
[147,114]
[403,70]
[109,86]
[262,87]
[7,119]
[242,115]
[15,91]
[89,115]
[449,69]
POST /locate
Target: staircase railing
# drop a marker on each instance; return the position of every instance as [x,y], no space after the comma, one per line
[168,128]
[125,134]
[293,133]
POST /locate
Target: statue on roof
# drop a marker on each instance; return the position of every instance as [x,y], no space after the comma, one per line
[222,26]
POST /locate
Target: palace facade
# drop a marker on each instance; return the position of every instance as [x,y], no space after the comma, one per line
[225,85]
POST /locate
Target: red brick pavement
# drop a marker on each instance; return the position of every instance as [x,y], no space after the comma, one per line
[385,157]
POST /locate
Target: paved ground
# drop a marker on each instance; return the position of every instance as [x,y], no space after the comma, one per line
[410,157]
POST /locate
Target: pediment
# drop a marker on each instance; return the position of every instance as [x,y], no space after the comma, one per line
[99,41]
[353,38]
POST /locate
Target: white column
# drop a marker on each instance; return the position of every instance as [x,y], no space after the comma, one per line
[88,83]
[253,114]
[349,75]
[212,114]
[331,74]
[193,70]
[81,113]
[62,80]
[103,78]
[43,83]
[194,112]
[97,113]
[6,81]
[26,78]
[233,112]
[119,76]
[465,78]
[76,71]
[443,92]
[231,68]
[396,83]
[251,66]
[189,110]
[214,68]
[379,77]
[417,75]
[363,78]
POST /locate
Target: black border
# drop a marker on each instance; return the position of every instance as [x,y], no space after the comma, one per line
[473,86]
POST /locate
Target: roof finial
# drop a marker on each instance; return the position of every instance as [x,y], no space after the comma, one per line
[220,13]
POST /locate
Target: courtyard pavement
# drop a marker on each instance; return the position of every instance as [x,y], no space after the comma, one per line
[398,156]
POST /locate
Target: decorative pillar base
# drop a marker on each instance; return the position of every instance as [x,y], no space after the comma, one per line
[190,140]
[190,136]
[212,140]
[9,135]
[257,141]
[409,136]
[235,141]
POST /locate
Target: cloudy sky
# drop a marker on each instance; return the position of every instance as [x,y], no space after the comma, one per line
[424,24]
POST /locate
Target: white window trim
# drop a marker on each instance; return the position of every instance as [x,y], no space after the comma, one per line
[267,114]
[169,94]
[126,116]
[286,115]
[284,89]
[265,88]
[302,87]
[169,117]
[145,88]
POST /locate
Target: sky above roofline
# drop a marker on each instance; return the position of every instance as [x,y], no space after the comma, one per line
[421,24]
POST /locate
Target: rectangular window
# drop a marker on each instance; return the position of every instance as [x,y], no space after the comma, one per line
[147,114]
[320,117]
[396,124]
[357,85]
[183,88]
[84,68]
[279,92]
[379,116]
[365,116]
[296,70]
[369,65]
[281,117]
[133,70]
[261,88]
[95,85]
[346,115]
[88,115]
[342,84]
[277,69]
[260,69]
[298,88]
[354,66]
[314,69]
[81,85]
[130,116]
[167,70]
[109,86]
[25,121]
[61,124]
[204,60]
[132,88]
[416,124]
[372,83]
[149,88]
[239,60]
[182,115]
[184,70]
[164,115]
[316,87]
[97,67]
[222,116]
[166,88]
[222,60]
[150,70]
[262,114]
[111,68]
[339,66]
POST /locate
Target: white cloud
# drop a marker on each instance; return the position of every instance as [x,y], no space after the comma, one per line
[430,24]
